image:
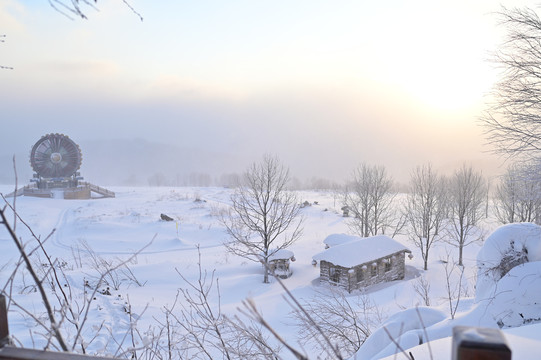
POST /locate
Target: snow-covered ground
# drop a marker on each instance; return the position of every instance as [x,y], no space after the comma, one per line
[115,228]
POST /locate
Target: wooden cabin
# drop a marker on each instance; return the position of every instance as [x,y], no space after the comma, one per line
[361,262]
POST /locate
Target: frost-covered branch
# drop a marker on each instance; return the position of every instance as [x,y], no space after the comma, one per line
[78,8]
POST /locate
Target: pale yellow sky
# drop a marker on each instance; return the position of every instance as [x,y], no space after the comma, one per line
[324,84]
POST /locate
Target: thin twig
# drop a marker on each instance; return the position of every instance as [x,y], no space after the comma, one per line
[254,313]
[47,304]
[397,344]
[425,332]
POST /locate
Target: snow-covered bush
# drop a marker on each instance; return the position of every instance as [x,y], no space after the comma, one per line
[507,247]
[517,297]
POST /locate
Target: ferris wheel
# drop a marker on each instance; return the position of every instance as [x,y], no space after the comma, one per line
[55,156]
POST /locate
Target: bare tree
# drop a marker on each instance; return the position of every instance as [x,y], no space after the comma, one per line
[422,288]
[369,197]
[264,215]
[203,323]
[346,321]
[67,310]
[54,324]
[229,180]
[2,37]
[512,121]
[425,209]
[249,341]
[518,195]
[454,287]
[112,273]
[466,198]
[78,8]
[506,198]
[207,331]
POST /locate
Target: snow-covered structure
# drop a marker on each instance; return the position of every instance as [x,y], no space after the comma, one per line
[338,239]
[279,263]
[361,262]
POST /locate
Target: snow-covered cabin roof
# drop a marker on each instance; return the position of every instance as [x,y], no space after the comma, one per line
[360,251]
[338,239]
[282,254]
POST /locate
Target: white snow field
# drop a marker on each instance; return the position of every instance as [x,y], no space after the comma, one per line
[115,228]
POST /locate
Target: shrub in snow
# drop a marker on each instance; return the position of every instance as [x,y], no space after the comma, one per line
[512,257]
[507,247]
[517,297]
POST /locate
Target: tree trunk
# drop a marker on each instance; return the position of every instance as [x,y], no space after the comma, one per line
[266,276]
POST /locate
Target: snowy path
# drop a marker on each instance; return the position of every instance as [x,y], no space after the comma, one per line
[116,232]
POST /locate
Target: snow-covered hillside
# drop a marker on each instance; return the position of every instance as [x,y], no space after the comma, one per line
[113,229]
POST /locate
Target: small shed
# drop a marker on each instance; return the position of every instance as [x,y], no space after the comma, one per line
[279,262]
[362,262]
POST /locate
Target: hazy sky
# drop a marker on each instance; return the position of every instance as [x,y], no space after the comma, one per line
[325,85]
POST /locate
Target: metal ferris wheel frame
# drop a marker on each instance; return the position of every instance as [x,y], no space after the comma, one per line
[56,159]
[55,156]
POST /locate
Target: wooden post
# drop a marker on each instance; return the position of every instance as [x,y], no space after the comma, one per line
[4,330]
[472,343]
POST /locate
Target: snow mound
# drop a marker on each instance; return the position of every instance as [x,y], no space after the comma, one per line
[516,299]
[523,342]
[338,239]
[508,246]
[405,326]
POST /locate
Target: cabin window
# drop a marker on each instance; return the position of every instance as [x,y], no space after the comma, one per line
[334,274]
[360,274]
[374,269]
[281,265]
[387,265]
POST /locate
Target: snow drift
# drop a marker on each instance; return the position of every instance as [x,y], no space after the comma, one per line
[508,295]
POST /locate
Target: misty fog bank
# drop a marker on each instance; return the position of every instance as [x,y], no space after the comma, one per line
[139,162]
[142,163]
